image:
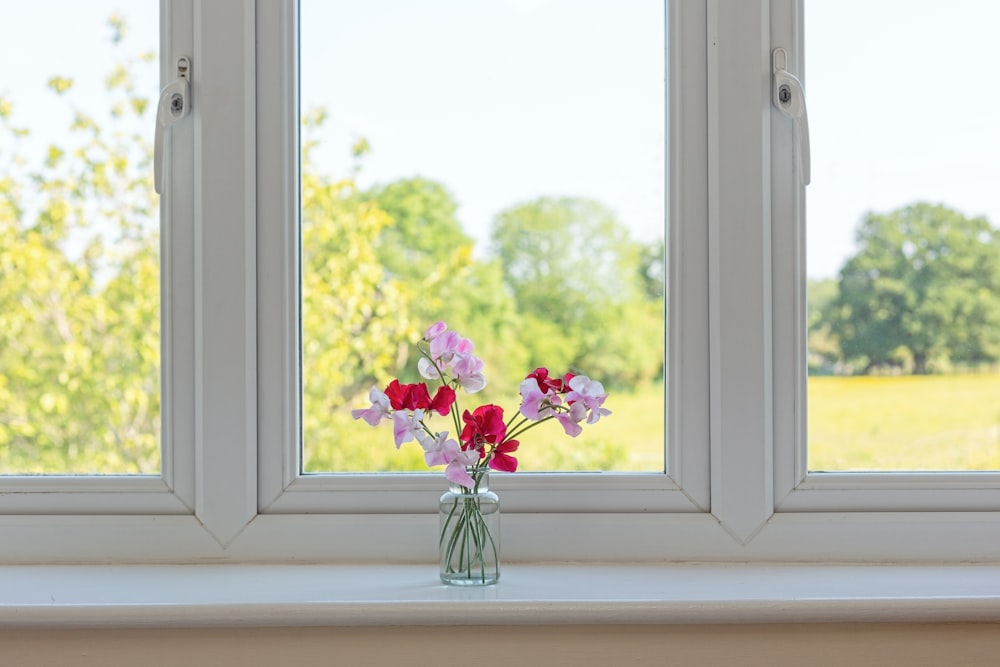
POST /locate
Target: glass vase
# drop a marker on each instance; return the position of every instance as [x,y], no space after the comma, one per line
[469,534]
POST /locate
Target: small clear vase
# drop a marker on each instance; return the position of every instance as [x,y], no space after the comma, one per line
[469,533]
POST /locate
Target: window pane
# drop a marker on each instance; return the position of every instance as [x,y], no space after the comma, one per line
[79,240]
[498,165]
[903,248]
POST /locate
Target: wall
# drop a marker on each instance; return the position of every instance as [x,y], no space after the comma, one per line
[815,645]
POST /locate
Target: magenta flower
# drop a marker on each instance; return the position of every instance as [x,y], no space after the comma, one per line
[546,383]
[501,460]
[443,400]
[484,426]
[407,396]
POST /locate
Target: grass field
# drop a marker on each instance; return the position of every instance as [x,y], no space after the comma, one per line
[931,422]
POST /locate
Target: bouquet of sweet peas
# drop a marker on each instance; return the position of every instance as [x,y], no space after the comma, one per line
[485,439]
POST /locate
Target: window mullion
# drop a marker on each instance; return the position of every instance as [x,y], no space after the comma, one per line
[225,386]
[688,388]
[739,265]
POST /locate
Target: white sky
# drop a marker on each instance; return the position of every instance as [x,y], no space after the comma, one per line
[501,100]
[507,100]
[903,99]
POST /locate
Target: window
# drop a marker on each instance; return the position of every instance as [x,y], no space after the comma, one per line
[736,483]
[498,166]
[79,320]
[902,321]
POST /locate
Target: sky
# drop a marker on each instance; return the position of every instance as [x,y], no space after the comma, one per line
[503,101]
[903,98]
[507,100]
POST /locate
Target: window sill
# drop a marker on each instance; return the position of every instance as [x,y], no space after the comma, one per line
[365,595]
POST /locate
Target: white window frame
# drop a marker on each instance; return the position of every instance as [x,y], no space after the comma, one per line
[171,492]
[737,487]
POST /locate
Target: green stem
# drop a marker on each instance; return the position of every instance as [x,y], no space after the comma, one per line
[521,427]
[467,531]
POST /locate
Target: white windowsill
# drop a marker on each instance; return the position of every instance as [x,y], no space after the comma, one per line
[349,595]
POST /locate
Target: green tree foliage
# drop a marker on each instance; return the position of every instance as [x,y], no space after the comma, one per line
[426,248]
[355,317]
[79,290]
[425,241]
[583,286]
[924,287]
[824,352]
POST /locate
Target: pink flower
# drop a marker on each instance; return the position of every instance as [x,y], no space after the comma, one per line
[439,450]
[377,412]
[456,471]
[451,353]
[435,330]
[445,345]
[467,369]
[406,426]
[536,404]
[571,421]
[591,394]
[442,450]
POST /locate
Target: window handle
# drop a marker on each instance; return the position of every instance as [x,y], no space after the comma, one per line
[175,101]
[790,99]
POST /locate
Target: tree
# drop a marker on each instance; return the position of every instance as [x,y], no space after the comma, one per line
[425,239]
[924,283]
[356,320]
[582,286]
[824,353]
[79,290]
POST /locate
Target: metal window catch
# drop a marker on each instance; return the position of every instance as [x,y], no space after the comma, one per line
[790,99]
[175,102]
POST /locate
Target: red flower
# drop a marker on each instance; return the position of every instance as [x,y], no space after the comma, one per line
[443,399]
[501,461]
[485,425]
[416,397]
[408,396]
[546,383]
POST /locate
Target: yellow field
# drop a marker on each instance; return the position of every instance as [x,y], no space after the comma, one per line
[932,422]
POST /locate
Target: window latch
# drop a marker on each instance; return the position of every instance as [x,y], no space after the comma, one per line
[175,102]
[790,99]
